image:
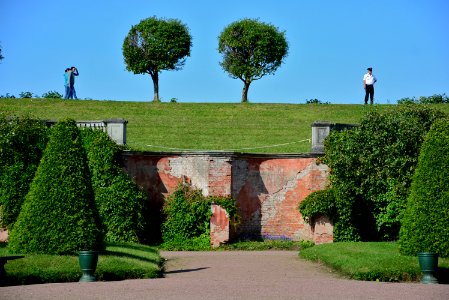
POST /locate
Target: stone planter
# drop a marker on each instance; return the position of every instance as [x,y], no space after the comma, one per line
[428,262]
[88,263]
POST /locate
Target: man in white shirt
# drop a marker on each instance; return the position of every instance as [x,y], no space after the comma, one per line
[368,83]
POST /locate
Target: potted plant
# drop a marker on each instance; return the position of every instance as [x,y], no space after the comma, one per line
[88,263]
[428,262]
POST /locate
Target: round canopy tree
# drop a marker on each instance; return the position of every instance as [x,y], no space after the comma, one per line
[251,49]
[154,45]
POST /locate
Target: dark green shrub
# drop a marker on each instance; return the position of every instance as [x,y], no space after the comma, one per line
[434,99]
[52,95]
[316,101]
[187,218]
[22,141]
[121,203]
[318,203]
[371,170]
[425,223]
[7,96]
[26,95]
[59,215]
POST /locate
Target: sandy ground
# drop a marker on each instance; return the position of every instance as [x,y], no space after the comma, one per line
[233,275]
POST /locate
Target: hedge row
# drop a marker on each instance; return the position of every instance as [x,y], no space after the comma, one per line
[371,172]
[66,174]
[22,141]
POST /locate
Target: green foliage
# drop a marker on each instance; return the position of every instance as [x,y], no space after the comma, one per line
[120,261]
[52,95]
[381,155]
[7,96]
[316,101]
[26,95]
[425,223]
[59,215]
[434,99]
[187,224]
[251,49]
[318,203]
[22,141]
[120,201]
[154,45]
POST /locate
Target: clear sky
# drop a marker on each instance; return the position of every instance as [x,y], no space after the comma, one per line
[331,43]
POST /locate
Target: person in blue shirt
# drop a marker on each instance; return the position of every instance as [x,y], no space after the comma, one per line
[66,84]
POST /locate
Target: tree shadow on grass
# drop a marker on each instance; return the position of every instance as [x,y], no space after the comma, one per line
[133,256]
[134,247]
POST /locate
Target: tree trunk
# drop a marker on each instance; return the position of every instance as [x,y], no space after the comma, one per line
[155,78]
[245,91]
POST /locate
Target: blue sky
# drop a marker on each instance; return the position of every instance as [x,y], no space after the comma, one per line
[331,43]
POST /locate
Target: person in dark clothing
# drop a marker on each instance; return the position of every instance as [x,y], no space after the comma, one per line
[71,74]
[368,83]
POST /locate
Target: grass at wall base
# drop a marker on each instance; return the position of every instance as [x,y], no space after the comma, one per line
[371,261]
[119,261]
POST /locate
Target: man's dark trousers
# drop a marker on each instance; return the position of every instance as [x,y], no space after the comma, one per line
[369,91]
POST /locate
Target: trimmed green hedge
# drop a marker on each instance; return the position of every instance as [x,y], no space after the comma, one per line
[59,215]
[425,226]
[22,141]
[371,170]
[121,203]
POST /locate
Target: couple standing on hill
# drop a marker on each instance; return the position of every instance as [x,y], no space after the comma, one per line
[69,83]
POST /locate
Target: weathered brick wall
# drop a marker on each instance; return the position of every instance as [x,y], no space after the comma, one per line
[268,191]
[268,188]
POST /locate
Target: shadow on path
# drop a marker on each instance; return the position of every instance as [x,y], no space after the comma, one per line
[185,270]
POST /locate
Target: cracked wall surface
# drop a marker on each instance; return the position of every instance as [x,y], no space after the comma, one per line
[268,189]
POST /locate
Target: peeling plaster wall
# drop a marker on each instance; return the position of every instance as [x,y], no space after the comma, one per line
[268,192]
[268,188]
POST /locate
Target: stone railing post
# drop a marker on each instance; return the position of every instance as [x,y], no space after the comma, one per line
[116,129]
[321,129]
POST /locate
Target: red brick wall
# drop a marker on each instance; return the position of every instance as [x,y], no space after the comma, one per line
[268,188]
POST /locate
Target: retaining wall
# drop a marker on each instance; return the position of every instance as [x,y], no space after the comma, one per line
[268,188]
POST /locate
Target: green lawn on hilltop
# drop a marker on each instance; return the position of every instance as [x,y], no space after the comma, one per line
[202,126]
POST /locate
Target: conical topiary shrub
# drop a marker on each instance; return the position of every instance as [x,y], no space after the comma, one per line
[59,215]
[424,227]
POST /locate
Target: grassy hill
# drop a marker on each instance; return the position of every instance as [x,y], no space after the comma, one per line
[254,128]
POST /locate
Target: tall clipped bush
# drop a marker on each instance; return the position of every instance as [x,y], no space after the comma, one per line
[425,226]
[22,141]
[59,215]
[121,203]
[371,170]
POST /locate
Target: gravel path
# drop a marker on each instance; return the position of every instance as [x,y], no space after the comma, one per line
[233,275]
